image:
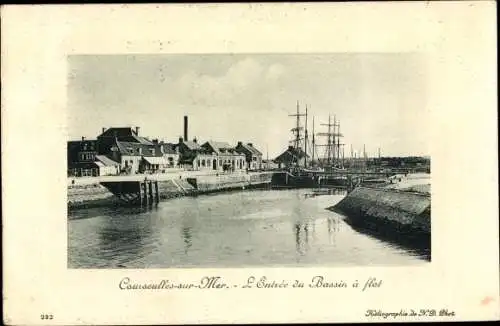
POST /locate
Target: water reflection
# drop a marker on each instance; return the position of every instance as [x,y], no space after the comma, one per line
[302,237]
[132,235]
[186,235]
[261,228]
[189,215]
[333,228]
[131,243]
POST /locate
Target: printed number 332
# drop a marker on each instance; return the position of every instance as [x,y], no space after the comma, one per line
[45,316]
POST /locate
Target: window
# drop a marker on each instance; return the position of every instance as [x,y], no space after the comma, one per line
[86,156]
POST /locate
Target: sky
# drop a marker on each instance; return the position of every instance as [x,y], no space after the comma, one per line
[378,98]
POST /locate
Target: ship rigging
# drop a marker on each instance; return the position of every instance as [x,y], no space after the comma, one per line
[301,149]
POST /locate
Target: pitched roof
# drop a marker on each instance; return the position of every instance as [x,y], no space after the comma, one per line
[132,148]
[106,160]
[221,144]
[136,139]
[251,149]
[290,155]
[167,148]
[157,160]
[220,148]
[191,145]
[118,132]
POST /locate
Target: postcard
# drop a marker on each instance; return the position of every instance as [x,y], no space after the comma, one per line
[249,163]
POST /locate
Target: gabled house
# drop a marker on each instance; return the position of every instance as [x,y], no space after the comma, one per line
[136,157]
[253,156]
[291,157]
[81,156]
[192,156]
[224,156]
[106,165]
[125,134]
[169,158]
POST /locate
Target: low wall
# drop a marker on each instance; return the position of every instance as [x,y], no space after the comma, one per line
[89,195]
[399,215]
[112,189]
[205,184]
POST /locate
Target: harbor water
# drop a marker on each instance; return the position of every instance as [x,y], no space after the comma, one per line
[259,228]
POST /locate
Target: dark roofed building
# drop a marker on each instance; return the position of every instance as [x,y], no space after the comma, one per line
[291,157]
[125,134]
[227,158]
[119,132]
[81,155]
[193,156]
[187,148]
[191,145]
[133,149]
[219,148]
[253,156]
[135,157]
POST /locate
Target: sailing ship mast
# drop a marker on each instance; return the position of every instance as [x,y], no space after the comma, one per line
[305,142]
[313,144]
[297,130]
[340,152]
[333,140]
[329,139]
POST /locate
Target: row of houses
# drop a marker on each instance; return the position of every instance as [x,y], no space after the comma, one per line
[124,151]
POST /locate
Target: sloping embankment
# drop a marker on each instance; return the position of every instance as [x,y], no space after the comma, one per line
[400,215]
[174,188]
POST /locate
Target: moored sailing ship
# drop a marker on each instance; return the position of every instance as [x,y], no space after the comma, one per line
[302,165]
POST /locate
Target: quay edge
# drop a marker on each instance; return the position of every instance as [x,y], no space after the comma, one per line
[151,190]
[398,216]
[120,190]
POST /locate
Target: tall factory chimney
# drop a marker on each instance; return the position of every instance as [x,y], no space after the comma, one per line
[186,127]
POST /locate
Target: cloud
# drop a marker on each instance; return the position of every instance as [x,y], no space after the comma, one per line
[274,72]
[377,98]
[238,86]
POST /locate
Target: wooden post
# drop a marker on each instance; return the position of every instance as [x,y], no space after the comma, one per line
[146,197]
[141,193]
[151,197]
[157,194]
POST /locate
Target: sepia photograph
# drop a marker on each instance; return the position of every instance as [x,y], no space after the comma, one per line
[249,163]
[234,160]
